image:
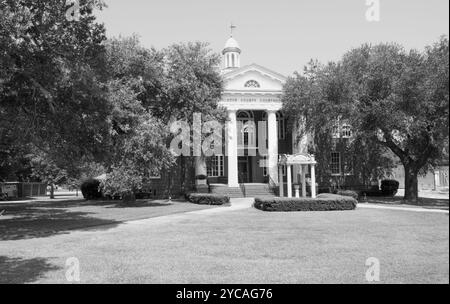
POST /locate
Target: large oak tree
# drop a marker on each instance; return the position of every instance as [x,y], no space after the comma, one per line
[400,100]
[395,99]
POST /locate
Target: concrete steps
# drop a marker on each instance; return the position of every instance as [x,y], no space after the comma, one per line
[225,190]
[257,190]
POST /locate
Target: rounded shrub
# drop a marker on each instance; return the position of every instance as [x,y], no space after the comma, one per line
[350,193]
[207,198]
[389,187]
[90,189]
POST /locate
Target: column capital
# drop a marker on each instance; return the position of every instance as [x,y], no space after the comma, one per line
[271,111]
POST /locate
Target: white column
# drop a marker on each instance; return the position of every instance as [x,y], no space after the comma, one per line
[304,168]
[289,181]
[313,181]
[232,150]
[281,186]
[272,145]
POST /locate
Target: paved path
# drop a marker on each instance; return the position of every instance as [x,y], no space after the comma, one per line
[401,208]
[426,194]
[236,204]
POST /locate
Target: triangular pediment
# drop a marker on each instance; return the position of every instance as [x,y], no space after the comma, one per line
[253,77]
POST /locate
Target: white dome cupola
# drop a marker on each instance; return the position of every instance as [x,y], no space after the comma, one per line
[231,53]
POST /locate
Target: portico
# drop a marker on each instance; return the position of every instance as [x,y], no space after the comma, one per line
[304,162]
[235,149]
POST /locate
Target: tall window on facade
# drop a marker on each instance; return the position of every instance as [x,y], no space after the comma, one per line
[252,84]
[216,166]
[248,135]
[247,129]
[335,163]
[264,165]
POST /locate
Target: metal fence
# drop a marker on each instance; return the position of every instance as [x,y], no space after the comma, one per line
[20,190]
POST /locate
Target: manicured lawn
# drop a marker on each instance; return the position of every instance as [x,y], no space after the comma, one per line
[243,246]
[45,218]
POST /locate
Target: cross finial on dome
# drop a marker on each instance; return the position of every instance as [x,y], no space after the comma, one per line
[232,27]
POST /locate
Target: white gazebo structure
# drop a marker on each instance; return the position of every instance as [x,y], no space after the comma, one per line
[303,161]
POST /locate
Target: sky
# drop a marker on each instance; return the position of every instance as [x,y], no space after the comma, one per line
[282,35]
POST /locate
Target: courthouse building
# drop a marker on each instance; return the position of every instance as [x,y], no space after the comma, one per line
[252,94]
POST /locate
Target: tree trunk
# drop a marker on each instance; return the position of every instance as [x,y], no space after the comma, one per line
[411,185]
[52,191]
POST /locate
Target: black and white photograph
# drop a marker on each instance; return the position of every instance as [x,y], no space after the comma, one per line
[224,148]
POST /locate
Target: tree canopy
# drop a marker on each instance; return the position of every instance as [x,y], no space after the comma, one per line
[84,101]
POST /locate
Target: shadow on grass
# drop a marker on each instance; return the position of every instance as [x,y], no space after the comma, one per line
[30,221]
[18,271]
[46,218]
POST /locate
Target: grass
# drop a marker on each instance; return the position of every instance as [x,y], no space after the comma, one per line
[46,218]
[245,246]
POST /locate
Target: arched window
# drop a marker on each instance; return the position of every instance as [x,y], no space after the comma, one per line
[346,131]
[244,115]
[252,84]
[232,60]
[247,129]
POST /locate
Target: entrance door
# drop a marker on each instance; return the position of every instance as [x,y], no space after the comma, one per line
[243,169]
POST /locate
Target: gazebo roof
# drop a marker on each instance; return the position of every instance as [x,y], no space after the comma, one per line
[297,159]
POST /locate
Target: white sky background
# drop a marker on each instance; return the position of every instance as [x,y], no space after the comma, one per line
[282,35]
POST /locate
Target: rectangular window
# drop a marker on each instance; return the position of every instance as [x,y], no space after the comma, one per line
[264,165]
[216,166]
[335,163]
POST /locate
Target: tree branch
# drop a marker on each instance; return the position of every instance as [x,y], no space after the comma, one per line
[43,90]
[394,148]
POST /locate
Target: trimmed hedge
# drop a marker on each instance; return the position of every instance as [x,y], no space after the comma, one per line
[389,187]
[323,202]
[90,189]
[350,193]
[207,198]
